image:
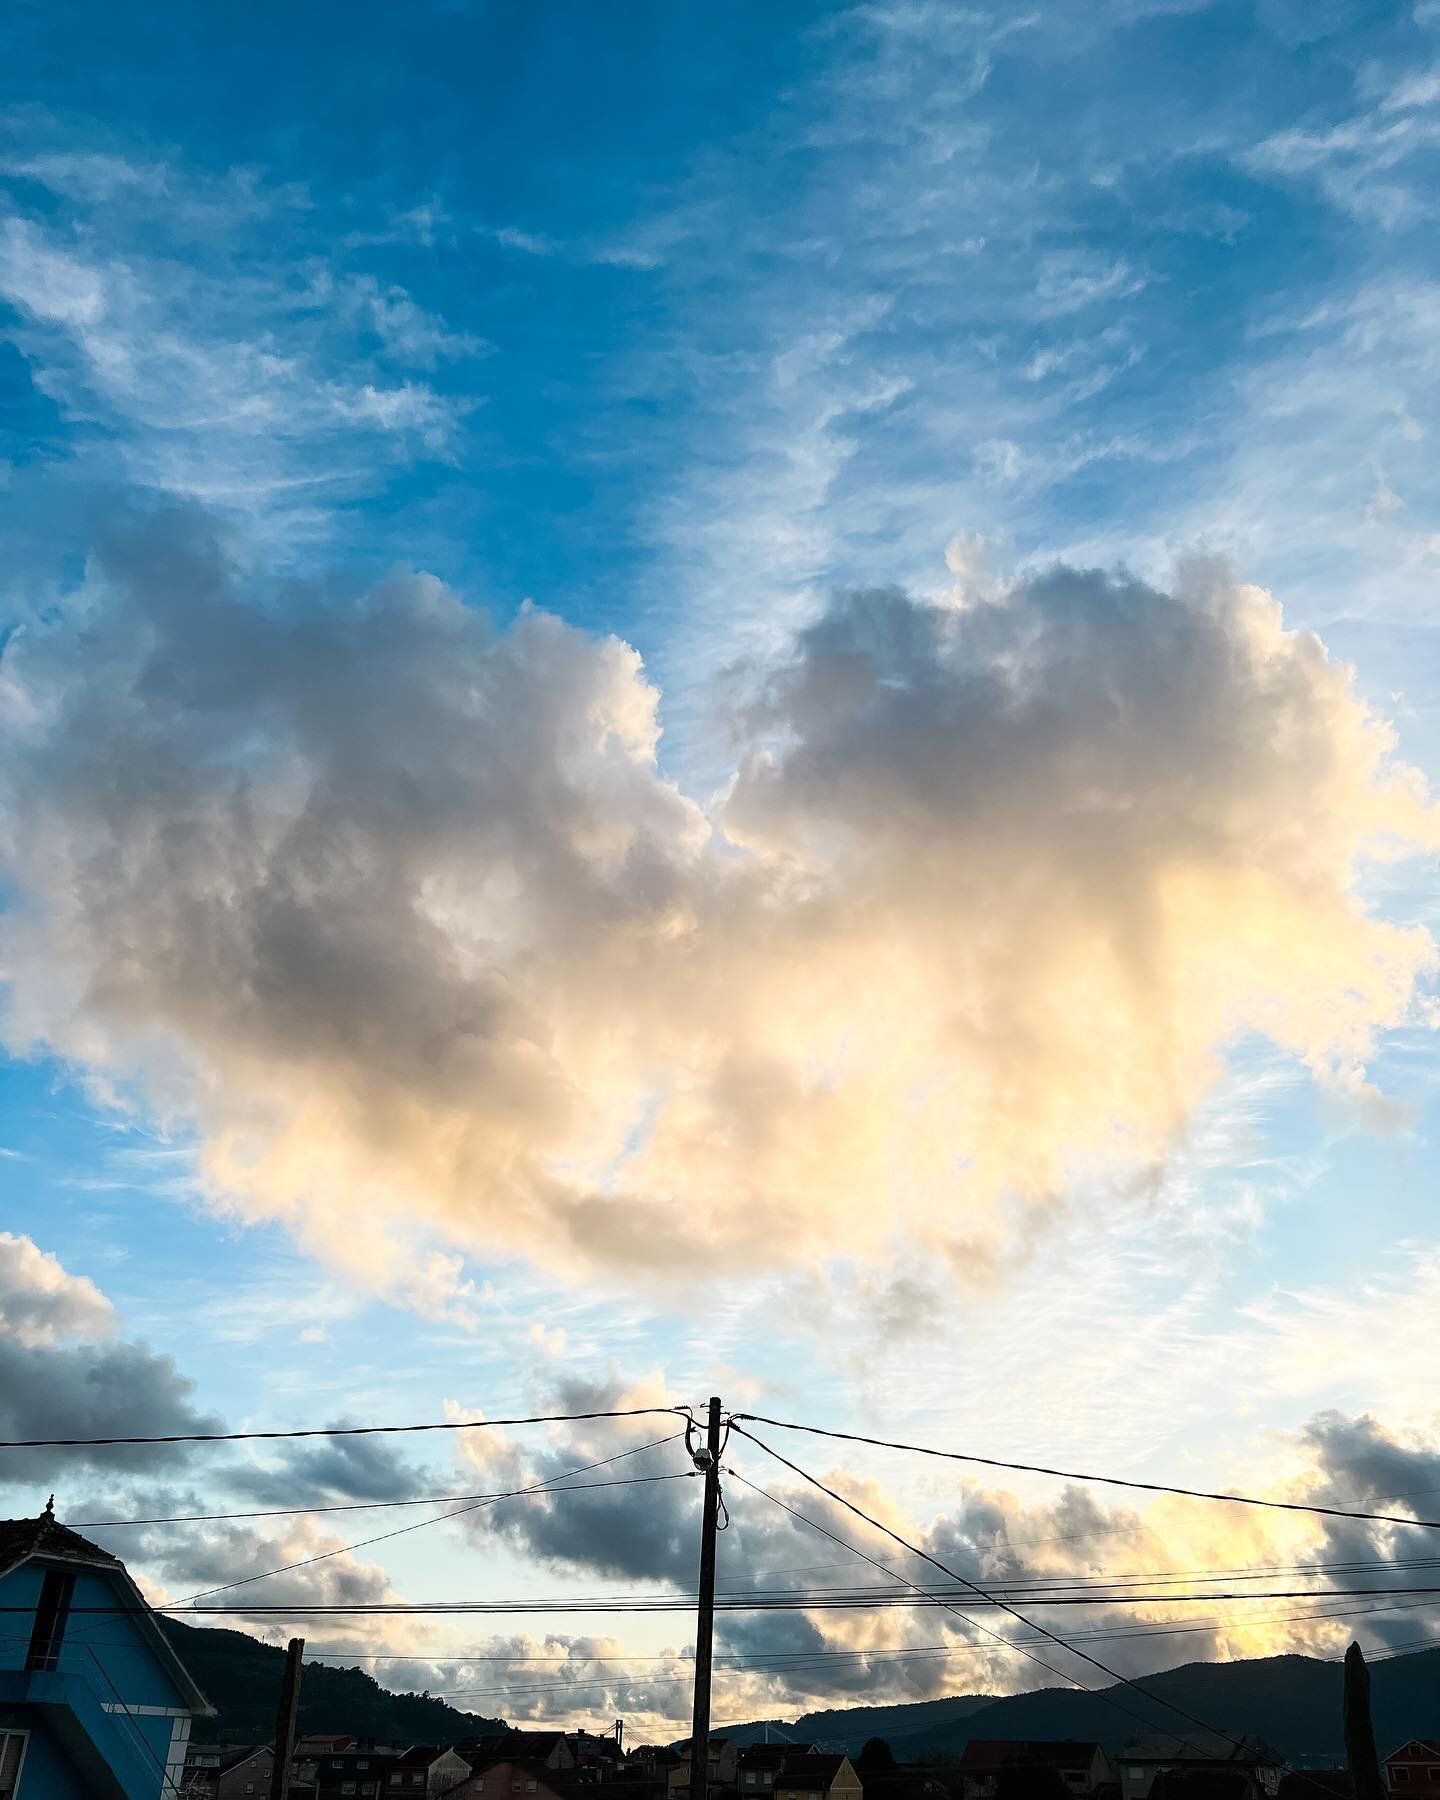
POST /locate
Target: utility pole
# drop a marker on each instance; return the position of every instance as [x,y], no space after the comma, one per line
[285,1721]
[708,1460]
[1359,1732]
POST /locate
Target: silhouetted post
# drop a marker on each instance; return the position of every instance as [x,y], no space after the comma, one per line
[285,1721]
[709,1461]
[1359,1732]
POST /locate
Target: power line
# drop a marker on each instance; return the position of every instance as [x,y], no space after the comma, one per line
[1030,1624]
[548,1486]
[1149,1487]
[975,1624]
[564,1606]
[247,1437]
[287,1512]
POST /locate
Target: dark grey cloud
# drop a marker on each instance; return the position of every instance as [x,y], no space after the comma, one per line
[103,1387]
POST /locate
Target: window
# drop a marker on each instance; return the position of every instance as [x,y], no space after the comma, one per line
[50,1615]
[530,1786]
[347,1787]
[12,1754]
[396,1779]
[364,1763]
[1399,1775]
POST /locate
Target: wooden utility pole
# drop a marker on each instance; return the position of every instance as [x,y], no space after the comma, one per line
[285,1721]
[708,1460]
[1359,1732]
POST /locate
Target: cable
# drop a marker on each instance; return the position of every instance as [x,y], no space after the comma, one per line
[247,1437]
[975,1624]
[565,1606]
[1149,1487]
[287,1512]
[420,1524]
[1030,1624]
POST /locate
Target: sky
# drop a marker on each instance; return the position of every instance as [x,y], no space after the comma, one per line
[732,701]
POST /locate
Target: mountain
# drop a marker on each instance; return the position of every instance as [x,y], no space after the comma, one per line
[1292,1701]
[850,1726]
[241,1677]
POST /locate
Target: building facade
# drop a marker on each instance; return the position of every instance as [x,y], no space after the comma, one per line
[1144,1759]
[94,1702]
[1415,1769]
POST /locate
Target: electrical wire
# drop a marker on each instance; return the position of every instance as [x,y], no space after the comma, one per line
[248,1437]
[1030,1624]
[1149,1487]
[548,1486]
[288,1512]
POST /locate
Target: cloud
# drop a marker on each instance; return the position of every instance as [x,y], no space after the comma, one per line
[780,1662]
[41,1303]
[64,1374]
[189,320]
[398,911]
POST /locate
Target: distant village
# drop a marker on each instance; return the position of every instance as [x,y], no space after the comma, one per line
[570,1765]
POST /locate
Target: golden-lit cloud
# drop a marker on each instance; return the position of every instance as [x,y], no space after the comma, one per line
[401,914]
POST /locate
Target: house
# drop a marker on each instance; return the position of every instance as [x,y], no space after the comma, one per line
[1082,1765]
[552,1748]
[95,1704]
[814,1776]
[225,1771]
[720,1768]
[1414,1768]
[423,1770]
[1197,1753]
[359,1773]
[510,1778]
[757,1765]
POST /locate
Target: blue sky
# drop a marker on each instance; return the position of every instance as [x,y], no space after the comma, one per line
[320,340]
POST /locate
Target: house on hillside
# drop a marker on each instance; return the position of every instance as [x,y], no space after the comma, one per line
[424,1771]
[1082,1765]
[1198,1754]
[94,1702]
[1414,1768]
[815,1776]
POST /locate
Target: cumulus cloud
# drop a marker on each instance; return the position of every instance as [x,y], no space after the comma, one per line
[64,1373]
[400,912]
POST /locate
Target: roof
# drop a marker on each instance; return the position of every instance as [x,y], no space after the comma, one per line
[1059,1753]
[23,1540]
[46,1540]
[766,1756]
[420,1756]
[243,1755]
[531,1766]
[1200,1746]
[1426,1746]
[811,1770]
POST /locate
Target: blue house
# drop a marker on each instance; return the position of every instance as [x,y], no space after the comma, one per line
[94,1702]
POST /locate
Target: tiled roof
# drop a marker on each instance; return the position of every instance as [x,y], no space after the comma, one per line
[21,1539]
